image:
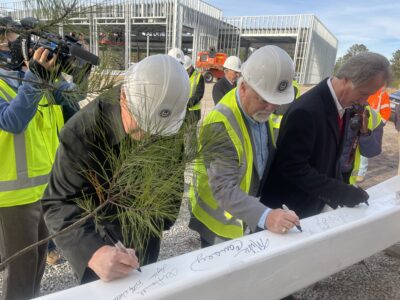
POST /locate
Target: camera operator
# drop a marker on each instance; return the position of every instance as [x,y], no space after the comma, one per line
[363,136]
[29,125]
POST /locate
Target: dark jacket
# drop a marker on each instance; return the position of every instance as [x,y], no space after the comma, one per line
[305,172]
[84,145]
[222,87]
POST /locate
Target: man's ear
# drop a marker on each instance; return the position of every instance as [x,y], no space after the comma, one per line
[122,94]
[242,87]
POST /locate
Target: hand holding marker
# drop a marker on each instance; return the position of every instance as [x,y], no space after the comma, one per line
[284,207]
[117,243]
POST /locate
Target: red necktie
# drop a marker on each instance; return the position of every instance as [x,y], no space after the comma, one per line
[340,123]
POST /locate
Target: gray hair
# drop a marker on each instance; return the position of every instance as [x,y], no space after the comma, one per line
[363,67]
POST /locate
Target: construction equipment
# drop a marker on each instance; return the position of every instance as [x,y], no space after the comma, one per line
[211,63]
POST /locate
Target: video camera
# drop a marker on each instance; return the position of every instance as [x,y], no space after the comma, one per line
[356,117]
[72,58]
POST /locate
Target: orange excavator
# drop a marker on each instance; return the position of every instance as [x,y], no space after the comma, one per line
[210,63]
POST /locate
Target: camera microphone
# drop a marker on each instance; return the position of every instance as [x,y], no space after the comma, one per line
[30,22]
[80,52]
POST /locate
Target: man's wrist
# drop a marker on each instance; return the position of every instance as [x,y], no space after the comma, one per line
[368,133]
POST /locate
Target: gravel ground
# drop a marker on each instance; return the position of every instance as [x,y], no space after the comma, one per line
[377,277]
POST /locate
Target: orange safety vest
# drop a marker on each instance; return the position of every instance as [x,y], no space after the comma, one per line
[380,102]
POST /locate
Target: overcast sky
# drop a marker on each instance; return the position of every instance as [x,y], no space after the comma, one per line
[374,23]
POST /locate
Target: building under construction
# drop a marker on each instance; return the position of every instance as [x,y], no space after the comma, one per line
[125,31]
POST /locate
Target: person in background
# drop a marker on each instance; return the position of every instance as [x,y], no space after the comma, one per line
[305,174]
[73,34]
[276,117]
[152,101]
[232,67]
[237,146]
[193,113]
[29,126]
[196,91]
[363,136]
[82,41]
[177,54]
[379,102]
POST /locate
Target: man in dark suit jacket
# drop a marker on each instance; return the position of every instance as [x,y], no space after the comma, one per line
[305,173]
[232,68]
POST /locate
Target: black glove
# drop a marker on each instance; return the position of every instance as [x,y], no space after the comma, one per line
[353,197]
[344,195]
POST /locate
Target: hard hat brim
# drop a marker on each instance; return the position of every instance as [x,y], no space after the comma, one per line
[278,98]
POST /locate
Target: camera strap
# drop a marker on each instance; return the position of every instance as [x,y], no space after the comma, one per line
[353,148]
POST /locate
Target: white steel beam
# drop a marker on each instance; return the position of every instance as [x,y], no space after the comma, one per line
[266,265]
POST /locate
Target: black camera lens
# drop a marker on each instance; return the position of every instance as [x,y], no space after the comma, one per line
[355,122]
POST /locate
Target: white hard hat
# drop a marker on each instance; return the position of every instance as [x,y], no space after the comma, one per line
[187,62]
[177,54]
[269,71]
[157,91]
[233,63]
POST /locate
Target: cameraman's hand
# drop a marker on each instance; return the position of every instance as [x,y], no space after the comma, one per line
[41,66]
[41,56]
[354,196]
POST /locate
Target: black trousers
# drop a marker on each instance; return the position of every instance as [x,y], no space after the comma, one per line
[21,226]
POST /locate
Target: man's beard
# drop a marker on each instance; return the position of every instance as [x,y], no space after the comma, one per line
[261,116]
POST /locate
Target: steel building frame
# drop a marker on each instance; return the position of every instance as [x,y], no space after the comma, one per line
[159,25]
[311,45]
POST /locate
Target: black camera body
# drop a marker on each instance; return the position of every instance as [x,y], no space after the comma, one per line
[356,122]
[356,117]
[72,58]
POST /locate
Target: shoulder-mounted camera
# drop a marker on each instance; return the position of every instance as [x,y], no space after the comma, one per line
[72,58]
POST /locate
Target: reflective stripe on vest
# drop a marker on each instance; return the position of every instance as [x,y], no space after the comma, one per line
[204,206]
[296,87]
[28,156]
[275,123]
[194,81]
[374,120]
[275,119]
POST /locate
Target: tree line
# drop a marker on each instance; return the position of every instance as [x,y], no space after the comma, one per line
[359,48]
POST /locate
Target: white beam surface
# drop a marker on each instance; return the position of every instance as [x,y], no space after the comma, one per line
[264,265]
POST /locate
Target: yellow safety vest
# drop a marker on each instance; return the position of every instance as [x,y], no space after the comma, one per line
[27,157]
[296,85]
[373,122]
[194,81]
[276,119]
[204,206]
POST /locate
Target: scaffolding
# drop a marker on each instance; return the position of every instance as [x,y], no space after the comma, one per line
[126,31]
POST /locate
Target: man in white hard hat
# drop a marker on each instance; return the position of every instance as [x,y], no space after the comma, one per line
[151,104]
[232,66]
[193,114]
[237,146]
[306,170]
[177,54]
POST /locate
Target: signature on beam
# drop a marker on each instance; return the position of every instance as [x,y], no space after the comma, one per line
[160,277]
[234,249]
